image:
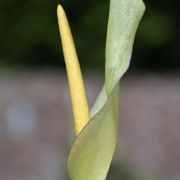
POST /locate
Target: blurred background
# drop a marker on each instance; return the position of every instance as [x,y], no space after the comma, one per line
[36,127]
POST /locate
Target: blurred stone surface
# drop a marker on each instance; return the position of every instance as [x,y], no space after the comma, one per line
[35,145]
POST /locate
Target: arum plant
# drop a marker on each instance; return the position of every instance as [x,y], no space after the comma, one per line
[96,130]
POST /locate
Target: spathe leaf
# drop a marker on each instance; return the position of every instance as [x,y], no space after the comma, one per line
[92,152]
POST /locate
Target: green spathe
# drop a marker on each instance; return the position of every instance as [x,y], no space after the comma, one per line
[92,152]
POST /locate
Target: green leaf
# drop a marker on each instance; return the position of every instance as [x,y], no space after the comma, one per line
[124,18]
[92,152]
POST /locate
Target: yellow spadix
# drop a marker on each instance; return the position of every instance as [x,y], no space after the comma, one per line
[76,85]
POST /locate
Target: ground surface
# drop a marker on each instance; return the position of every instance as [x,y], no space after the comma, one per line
[35,120]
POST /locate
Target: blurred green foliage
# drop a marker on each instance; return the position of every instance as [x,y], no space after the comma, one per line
[29,33]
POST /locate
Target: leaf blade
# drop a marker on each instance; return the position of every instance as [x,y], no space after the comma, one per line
[124,18]
[92,152]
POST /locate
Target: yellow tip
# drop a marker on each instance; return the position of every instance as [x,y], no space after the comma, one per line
[77,90]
